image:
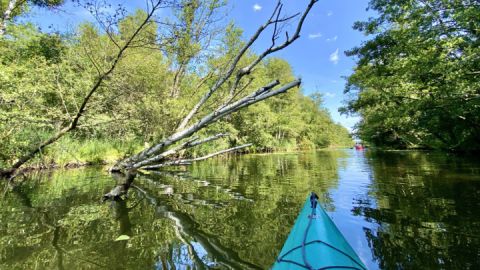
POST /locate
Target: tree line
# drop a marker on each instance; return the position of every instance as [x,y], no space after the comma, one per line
[133,81]
[417,79]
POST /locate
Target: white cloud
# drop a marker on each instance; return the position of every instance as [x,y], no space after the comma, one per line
[257,7]
[314,36]
[334,57]
[329,94]
[332,39]
[329,13]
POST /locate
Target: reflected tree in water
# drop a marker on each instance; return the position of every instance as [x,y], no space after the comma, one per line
[421,206]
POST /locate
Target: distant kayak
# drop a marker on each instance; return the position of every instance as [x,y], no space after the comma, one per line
[359,147]
[316,243]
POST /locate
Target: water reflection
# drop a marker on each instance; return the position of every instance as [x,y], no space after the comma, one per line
[399,210]
[427,206]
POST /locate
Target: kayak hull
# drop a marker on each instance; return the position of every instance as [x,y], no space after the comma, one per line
[316,243]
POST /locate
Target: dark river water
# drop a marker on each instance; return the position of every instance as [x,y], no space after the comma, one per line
[398,210]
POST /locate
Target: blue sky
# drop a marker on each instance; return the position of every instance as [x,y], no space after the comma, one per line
[317,57]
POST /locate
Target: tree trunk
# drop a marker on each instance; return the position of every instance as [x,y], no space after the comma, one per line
[6,16]
[120,192]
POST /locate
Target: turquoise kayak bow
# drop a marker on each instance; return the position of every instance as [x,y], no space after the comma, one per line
[316,243]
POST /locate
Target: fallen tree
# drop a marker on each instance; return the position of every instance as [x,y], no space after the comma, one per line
[165,152]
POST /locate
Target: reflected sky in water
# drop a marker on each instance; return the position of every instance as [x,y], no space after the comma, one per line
[398,210]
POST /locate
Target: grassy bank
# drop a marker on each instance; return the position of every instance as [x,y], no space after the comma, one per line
[70,152]
[73,152]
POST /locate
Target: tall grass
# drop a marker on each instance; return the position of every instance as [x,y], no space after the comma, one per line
[73,151]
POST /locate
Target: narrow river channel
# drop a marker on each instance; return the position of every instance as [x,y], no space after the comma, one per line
[398,210]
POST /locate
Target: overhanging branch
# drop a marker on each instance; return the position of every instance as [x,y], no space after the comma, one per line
[188,144]
[182,162]
[259,95]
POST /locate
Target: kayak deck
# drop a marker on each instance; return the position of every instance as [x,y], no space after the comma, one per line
[316,243]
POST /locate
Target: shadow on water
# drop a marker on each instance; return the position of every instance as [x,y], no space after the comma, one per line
[399,210]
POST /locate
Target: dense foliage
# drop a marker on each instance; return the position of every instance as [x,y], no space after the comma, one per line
[44,78]
[417,80]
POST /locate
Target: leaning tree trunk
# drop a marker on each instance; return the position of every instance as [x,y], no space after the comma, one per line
[164,152]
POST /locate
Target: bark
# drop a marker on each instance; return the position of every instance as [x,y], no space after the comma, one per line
[188,144]
[120,191]
[7,15]
[6,173]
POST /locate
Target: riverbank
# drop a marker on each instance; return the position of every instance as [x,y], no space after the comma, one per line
[74,153]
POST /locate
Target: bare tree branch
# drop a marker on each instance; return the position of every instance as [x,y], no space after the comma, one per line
[193,128]
[182,162]
[227,74]
[233,94]
[259,95]
[246,70]
[188,144]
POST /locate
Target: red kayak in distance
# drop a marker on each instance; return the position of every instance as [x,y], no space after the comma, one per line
[359,147]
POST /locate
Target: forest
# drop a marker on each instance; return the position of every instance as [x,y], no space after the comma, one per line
[417,79]
[110,88]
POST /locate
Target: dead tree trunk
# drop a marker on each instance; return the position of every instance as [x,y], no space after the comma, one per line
[161,153]
[120,191]
[155,156]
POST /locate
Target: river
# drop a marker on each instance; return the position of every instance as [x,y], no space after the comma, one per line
[398,210]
